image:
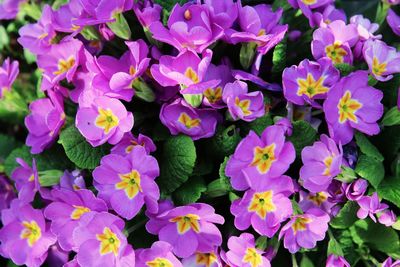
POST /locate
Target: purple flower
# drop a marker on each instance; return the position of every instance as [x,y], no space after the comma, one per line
[72,181]
[147,12]
[103,120]
[6,192]
[44,122]
[24,236]
[326,16]
[241,104]
[61,61]
[213,95]
[99,241]
[63,19]
[394,21]
[369,206]
[258,25]
[199,259]
[179,117]
[10,8]
[66,210]
[286,125]
[336,261]
[382,60]
[26,180]
[366,31]
[387,218]
[356,190]
[322,162]
[188,229]
[160,254]
[257,159]
[8,73]
[56,256]
[126,183]
[334,42]
[353,104]
[189,27]
[264,208]
[309,81]
[389,263]
[128,142]
[304,230]
[223,13]
[243,252]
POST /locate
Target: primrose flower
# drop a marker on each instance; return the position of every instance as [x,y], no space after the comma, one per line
[319,200]
[213,95]
[128,142]
[103,120]
[200,259]
[356,190]
[336,261]
[243,252]
[258,25]
[8,73]
[6,192]
[63,19]
[326,16]
[264,208]
[352,104]
[189,27]
[257,159]
[387,218]
[66,211]
[99,241]
[61,61]
[126,183]
[147,12]
[223,13]
[24,237]
[160,254]
[393,21]
[188,229]
[10,8]
[334,42]
[369,206]
[304,230]
[72,181]
[179,117]
[309,81]
[45,121]
[322,162]
[382,60]
[26,180]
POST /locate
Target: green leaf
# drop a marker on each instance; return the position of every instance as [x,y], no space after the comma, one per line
[169,4]
[370,169]
[389,189]
[348,247]
[58,3]
[261,243]
[90,33]
[347,175]
[29,57]
[220,186]
[303,135]
[4,38]
[177,162]
[346,217]
[306,262]
[258,125]
[247,53]
[50,177]
[392,117]
[376,236]
[224,142]
[7,144]
[367,147]
[279,57]
[120,27]
[334,247]
[79,151]
[344,68]
[190,191]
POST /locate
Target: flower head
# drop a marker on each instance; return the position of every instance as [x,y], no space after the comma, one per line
[356,189]
[128,142]
[369,206]
[160,254]
[8,73]
[147,12]
[26,180]
[10,8]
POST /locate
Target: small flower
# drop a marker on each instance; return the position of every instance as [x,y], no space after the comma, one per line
[147,12]
[188,229]
[8,73]
[243,252]
[257,159]
[369,206]
[26,180]
[304,230]
[103,120]
[326,16]
[127,182]
[387,218]
[336,261]
[356,190]
[353,104]
[24,237]
[394,21]
[322,162]
[160,254]
[128,142]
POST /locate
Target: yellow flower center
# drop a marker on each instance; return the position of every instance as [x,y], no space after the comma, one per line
[186,120]
[262,203]
[244,105]
[78,212]
[31,232]
[65,65]
[75,27]
[263,158]
[261,32]
[311,87]
[213,95]
[335,52]
[31,178]
[309,2]
[43,35]
[328,163]
[129,148]
[187,14]
[159,262]
[132,70]
[109,242]
[130,182]
[300,224]
[318,198]
[378,68]
[205,259]
[191,74]
[252,257]
[106,120]
[187,222]
[347,108]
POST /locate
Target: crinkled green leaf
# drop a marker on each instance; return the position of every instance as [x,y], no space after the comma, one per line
[344,68]
[79,151]
[258,125]
[279,57]
[392,117]
[371,169]
[348,246]
[303,135]
[177,162]
[224,142]
[389,189]
[190,191]
[367,147]
[346,217]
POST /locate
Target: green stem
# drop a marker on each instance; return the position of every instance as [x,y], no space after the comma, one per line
[294,261]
